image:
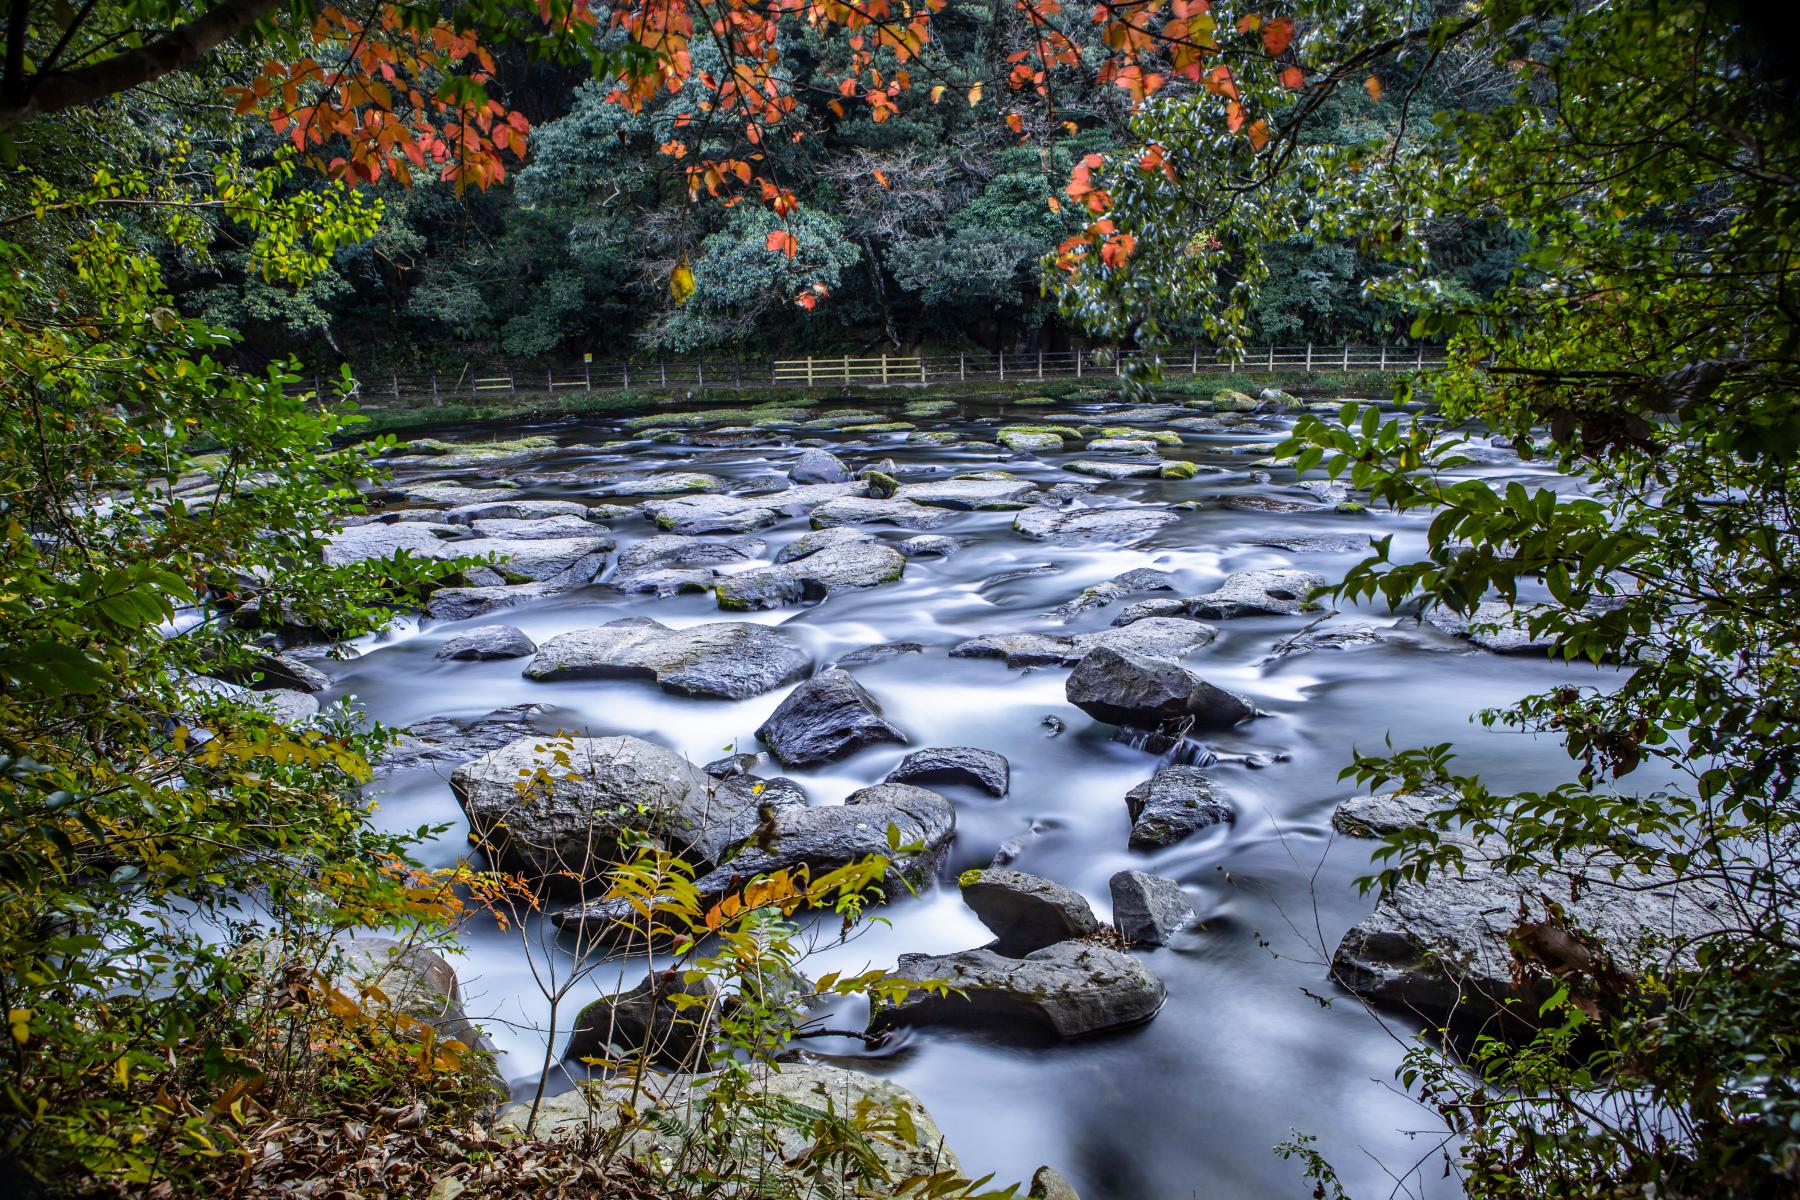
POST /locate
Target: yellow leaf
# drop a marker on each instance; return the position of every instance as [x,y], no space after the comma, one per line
[937,93]
[19,1020]
[681,281]
[975,95]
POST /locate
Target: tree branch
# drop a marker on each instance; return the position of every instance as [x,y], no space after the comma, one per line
[182,46]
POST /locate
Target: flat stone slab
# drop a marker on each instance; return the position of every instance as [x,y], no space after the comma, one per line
[459,604]
[970,493]
[515,510]
[444,741]
[452,495]
[489,642]
[1123,525]
[1494,625]
[729,660]
[854,510]
[845,565]
[1281,592]
[538,528]
[662,483]
[364,543]
[1160,637]
[533,560]
[1109,469]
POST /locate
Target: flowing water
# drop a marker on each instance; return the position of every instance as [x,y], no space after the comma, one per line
[1253,1041]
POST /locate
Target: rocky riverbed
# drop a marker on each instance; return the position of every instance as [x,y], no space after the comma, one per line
[1066,649]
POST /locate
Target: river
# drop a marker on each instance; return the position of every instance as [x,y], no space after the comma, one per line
[1253,1041]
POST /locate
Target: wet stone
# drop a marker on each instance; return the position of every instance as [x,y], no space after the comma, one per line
[488,642]
[984,769]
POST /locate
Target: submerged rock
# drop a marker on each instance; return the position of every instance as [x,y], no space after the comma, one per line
[489,642]
[970,493]
[1148,909]
[1071,989]
[852,510]
[1122,687]
[878,652]
[929,544]
[827,717]
[1026,912]
[732,660]
[461,603]
[984,769]
[663,483]
[1173,804]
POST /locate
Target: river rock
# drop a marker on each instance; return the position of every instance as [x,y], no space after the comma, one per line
[1267,504]
[1279,592]
[416,980]
[1071,989]
[363,543]
[847,564]
[1159,638]
[1026,912]
[818,466]
[878,652]
[1018,649]
[648,1023]
[1092,524]
[668,550]
[816,540]
[731,660]
[1311,543]
[929,544]
[1173,804]
[1025,442]
[830,836]
[710,514]
[449,494]
[462,603]
[532,561]
[1148,909]
[1121,445]
[1114,468]
[1494,625]
[853,510]
[1440,947]
[663,483]
[671,1107]
[516,510]
[984,769]
[287,705]
[441,741]
[970,493]
[489,642]
[1048,1184]
[1122,687]
[538,529]
[827,717]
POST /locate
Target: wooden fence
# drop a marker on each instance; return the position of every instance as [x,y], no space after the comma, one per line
[494,381]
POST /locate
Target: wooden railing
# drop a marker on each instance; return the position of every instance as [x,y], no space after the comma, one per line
[489,381]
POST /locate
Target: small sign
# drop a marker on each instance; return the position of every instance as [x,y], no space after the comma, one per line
[587,358]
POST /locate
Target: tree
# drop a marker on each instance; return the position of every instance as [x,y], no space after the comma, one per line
[1643,158]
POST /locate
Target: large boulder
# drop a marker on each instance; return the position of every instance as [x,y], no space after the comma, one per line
[1443,947]
[416,981]
[362,543]
[663,483]
[818,466]
[1148,909]
[1173,804]
[1121,687]
[462,603]
[1279,592]
[1026,912]
[827,717]
[871,821]
[1112,468]
[549,805]
[489,642]
[689,515]
[1071,989]
[666,550]
[984,769]
[1494,625]
[1170,638]
[845,565]
[651,1023]
[515,510]
[732,660]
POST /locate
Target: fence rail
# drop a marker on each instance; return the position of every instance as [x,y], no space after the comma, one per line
[492,380]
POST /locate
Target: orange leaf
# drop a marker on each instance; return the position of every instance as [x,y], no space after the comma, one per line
[1372,85]
[1293,78]
[782,242]
[1258,134]
[881,177]
[1277,34]
[1016,123]
[1234,116]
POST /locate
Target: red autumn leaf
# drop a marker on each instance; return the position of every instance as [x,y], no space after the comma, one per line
[1372,85]
[782,242]
[1258,134]
[1293,78]
[1234,116]
[1277,34]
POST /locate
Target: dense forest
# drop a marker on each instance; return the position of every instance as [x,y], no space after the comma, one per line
[668,797]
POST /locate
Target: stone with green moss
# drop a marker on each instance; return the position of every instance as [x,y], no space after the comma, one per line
[881,485]
[1227,400]
[1179,470]
[880,427]
[924,438]
[1034,401]
[929,408]
[1167,437]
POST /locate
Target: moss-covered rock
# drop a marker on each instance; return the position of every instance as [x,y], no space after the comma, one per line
[1227,400]
[1179,470]
[881,485]
[880,427]
[1166,437]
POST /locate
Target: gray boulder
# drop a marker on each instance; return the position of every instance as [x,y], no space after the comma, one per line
[667,550]
[1494,625]
[955,764]
[1173,804]
[515,510]
[847,564]
[970,493]
[1071,989]
[1443,947]
[1279,592]
[416,980]
[663,483]
[1048,1184]
[732,660]
[1122,525]
[818,466]
[649,1023]
[878,652]
[531,561]
[827,717]
[489,642]
[1108,468]
[854,510]
[1169,638]
[1026,912]
[538,529]
[711,514]
[1148,909]
[1122,687]
[442,741]
[925,544]
[364,543]
[462,603]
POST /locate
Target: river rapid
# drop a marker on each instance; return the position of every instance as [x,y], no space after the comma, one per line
[1254,1041]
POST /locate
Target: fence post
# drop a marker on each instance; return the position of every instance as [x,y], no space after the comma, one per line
[1079,355]
[1421,356]
[627,382]
[434,391]
[962,368]
[700,373]
[884,377]
[1384,356]
[512,383]
[809,371]
[662,366]
[1271,358]
[737,373]
[587,374]
[1194,359]
[922,378]
[1346,358]
[1309,358]
[550,380]
[1003,366]
[1040,366]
